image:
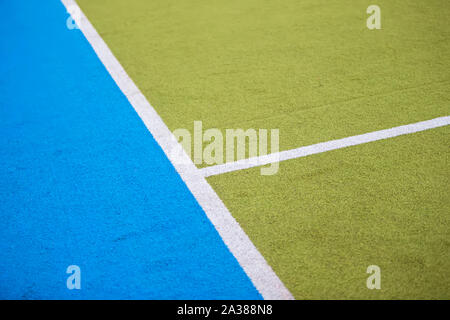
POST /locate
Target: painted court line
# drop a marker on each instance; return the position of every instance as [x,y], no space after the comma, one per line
[255,266]
[325,146]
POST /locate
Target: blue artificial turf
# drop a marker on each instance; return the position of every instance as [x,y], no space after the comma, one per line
[82,181]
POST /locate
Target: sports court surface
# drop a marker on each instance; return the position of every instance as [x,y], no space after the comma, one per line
[87,177]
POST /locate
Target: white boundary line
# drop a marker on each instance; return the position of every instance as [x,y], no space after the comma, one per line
[255,266]
[325,146]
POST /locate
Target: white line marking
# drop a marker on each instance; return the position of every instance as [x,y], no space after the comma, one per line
[255,266]
[325,146]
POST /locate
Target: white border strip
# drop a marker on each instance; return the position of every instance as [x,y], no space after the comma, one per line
[325,146]
[255,266]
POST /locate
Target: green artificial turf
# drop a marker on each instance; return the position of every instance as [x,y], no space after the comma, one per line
[314,71]
[310,68]
[323,219]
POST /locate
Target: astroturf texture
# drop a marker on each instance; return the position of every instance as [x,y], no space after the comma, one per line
[323,219]
[310,68]
[83,182]
[313,70]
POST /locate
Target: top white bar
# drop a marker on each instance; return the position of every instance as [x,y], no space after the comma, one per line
[325,146]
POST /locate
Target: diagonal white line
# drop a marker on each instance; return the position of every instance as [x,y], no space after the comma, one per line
[325,146]
[255,266]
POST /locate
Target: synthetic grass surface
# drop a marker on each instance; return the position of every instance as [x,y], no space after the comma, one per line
[323,219]
[83,182]
[310,68]
[313,70]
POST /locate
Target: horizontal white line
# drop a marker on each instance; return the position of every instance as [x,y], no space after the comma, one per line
[252,262]
[325,146]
